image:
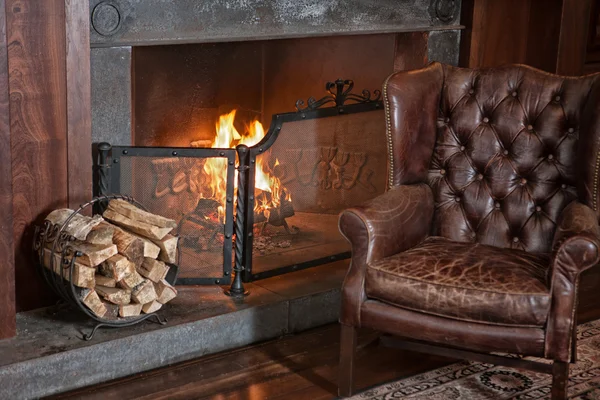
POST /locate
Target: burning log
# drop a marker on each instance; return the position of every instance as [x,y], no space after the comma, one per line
[273,215]
[203,228]
[119,265]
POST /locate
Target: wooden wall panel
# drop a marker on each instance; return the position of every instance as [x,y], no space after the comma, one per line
[79,116]
[37,83]
[411,51]
[573,37]
[547,34]
[7,261]
[498,32]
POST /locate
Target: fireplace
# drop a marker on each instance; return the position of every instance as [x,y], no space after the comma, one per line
[287,185]
[176,96]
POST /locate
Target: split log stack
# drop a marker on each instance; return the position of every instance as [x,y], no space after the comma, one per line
[125,257]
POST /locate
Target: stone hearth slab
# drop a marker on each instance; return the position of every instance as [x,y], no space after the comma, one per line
[48,356]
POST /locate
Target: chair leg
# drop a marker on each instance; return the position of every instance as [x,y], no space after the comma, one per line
[347,352]
[560,377]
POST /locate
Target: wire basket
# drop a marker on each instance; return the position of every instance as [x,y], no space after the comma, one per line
[60,277]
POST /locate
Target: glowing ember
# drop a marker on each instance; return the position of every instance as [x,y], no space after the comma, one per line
[216,168]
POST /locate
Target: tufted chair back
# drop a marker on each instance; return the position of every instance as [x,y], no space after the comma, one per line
[506,153]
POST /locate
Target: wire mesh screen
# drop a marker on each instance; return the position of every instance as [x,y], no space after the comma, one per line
[177,188]
[322,165]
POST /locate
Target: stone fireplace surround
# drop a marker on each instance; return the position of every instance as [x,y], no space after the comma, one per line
[417,31]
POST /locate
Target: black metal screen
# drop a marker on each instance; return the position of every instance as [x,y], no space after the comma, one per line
[171,182]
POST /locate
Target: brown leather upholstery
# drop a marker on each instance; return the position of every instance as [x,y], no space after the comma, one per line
[491,213]
[470,282]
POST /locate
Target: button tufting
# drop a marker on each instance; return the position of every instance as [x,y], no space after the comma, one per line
[557,98]
[564,186]
[442,171]
[462,148]
[497,204]
[529,127]
[514,94]
[457,199]
[571,130]
[479,177]
[486,120]
[471,91]
[505,152]
[447,119]
[538,208]
[523,181]
[550,157]
[515,239]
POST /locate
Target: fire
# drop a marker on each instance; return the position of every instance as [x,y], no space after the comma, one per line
[216,168]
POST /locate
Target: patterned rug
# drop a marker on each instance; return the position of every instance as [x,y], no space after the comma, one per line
[475,381]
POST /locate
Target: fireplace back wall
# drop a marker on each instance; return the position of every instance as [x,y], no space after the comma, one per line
[180,90]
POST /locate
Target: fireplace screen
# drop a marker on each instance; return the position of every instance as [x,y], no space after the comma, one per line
[287,186]
[323,164]
[174,182]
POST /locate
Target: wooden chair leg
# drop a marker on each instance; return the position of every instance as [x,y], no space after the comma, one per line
[560,377]
[347,352]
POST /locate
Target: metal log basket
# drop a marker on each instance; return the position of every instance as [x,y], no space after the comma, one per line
[53,236]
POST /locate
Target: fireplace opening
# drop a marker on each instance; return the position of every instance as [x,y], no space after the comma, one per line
[308,161]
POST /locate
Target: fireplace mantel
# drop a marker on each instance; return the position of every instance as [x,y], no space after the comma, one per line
[150,22]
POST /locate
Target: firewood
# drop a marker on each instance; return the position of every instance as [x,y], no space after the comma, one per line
[151,307]
[144,292]
[151,249]
[117,267]
[130,310]
[165,291]
[112,310]
[105,281]
[132,212]
[139,227]
[114,295]
[131,281]
[83,276]
[79,226]
[129,245]
[93,254]
[168,249]
[90,298]
[153,269]
[101,234]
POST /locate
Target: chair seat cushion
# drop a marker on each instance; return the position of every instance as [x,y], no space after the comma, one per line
[466,281]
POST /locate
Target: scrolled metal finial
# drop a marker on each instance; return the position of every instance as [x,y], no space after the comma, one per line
[444,10]
[340,92]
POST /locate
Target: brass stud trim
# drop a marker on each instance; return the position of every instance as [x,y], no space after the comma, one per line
[595,194]
[388,132]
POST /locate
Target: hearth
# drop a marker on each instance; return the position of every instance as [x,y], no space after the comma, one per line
[287,185]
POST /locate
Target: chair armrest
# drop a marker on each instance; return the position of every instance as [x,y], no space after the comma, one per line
[388,224]
[576,241]
[575,248]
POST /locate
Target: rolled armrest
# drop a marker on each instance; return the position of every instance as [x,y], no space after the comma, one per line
[388,224]
[576,241]
[575,248]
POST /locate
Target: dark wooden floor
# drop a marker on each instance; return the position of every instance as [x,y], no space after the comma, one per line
[300,367]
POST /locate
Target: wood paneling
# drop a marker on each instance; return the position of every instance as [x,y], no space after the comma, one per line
[79,117]
[498,32]
[411,50]
[547,34]
[573,36]
[37,84]
[7,261]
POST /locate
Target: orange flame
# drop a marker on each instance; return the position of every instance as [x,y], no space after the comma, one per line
[216,168]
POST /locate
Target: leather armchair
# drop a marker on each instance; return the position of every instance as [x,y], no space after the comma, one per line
[490,216]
